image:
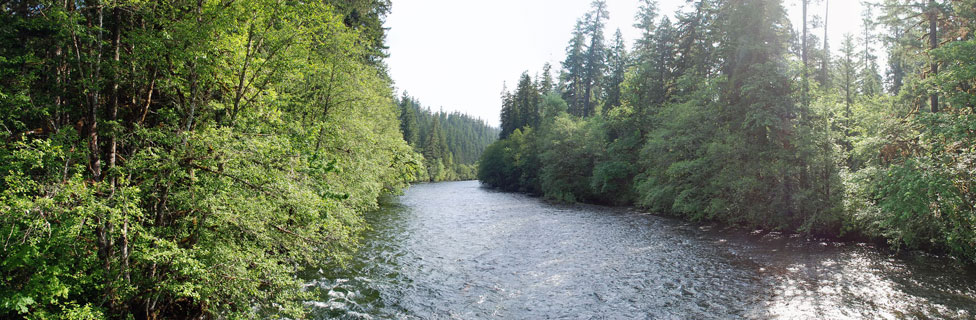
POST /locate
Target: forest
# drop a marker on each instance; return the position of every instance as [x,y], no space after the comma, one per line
[189,159]
[451,143]
[194,159]
[725,112]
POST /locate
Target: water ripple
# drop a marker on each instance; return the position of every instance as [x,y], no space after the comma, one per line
[458,251]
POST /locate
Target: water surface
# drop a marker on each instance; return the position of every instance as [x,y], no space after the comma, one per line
[459,251]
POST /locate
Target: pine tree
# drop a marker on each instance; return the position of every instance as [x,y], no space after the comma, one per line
[617,67]
[408,121]
[596,55]
[546,85]
[695,40]
[510,117]
[914,20]
[574,72]
[804,56]
[643,85]
[848,71]
[663,69]
[869,78]
[824,77]
[435,149]
[757,112]
[526,102]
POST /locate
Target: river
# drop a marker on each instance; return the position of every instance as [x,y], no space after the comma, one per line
[460,251]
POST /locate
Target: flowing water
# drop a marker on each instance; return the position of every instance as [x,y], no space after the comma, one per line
[460,251]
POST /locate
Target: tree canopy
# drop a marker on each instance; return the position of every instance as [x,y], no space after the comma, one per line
[727,114]
[184,159]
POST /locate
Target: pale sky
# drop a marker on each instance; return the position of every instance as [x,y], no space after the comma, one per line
[456,54]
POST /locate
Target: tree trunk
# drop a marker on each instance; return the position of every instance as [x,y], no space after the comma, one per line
[113,112]
[825,67]
[803,55]
[933,44]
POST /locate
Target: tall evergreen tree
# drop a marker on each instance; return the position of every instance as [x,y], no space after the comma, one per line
[696,38]
[510,117]
[804,56]
[617,63]
[926,20]
[526,101]
[869,78]
[643,85]
[574,72]
[408,120]
[595,61]
[847,69]
[546,84]
[824,76]
[757,114]
[664,42]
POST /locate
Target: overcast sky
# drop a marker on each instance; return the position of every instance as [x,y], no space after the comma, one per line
[456,54]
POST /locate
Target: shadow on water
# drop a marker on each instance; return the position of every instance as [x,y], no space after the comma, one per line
[456,250]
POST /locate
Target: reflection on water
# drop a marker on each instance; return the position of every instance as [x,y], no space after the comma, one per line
[456,250]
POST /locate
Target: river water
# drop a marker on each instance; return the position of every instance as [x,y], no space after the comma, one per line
[459,251]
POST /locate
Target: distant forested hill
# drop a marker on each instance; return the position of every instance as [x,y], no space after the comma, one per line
[451,143]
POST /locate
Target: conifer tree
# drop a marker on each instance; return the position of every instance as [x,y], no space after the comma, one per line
[526,102]
[510,117]
[408,121]
[595,61]
[574,70]
[869,78]
[617,66]
[848,71]
[546,83]
[757,112]
[645,53]
[665,47]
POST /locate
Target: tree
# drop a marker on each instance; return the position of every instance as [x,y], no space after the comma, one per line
[804,56]
[408,120]
[546,85]
[904,17]
[825,79]
[574,73]
[758,115]
[870,78]
[848,72]
[526,100]
[161,145]
[595,59]
[645,85]
[617,66]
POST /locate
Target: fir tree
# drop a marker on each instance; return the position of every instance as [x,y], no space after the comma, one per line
[408,121]
[595,61]
[526,101]
[617,67]
[574,71]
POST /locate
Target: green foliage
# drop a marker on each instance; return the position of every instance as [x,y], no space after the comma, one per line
[712,124]
[928,199]
[451,143]
[228,147]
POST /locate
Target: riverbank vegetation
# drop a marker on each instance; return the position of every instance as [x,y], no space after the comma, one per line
[727,113]
[451,143]
[184,159]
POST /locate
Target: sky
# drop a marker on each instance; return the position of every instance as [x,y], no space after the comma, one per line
[456,55]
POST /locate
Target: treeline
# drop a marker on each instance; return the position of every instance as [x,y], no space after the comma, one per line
[186,159]
[451,143]
[728,114]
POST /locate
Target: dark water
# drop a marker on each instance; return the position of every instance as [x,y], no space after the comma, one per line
[458,251]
